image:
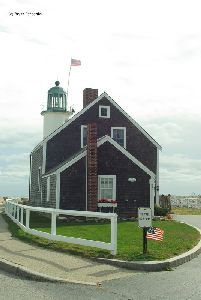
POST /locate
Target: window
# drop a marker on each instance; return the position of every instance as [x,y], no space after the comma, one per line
[107,186]
[119,135]
[39,179]
[104,111]
[83,135]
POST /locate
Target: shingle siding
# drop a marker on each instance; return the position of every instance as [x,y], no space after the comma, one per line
[73,186]
[129,195]
[44,192]
[51,202]
[67,142]
[110,162]
[35,194]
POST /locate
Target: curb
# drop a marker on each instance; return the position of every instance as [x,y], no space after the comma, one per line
[21,271]
[157,265]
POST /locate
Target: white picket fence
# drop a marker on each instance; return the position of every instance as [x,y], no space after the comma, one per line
[16,212]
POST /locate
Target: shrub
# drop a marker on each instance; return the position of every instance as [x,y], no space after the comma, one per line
[160,211]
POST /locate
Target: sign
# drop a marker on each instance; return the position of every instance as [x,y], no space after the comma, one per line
[144,217]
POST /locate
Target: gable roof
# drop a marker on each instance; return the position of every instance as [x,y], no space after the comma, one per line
[103,95]
[66,164]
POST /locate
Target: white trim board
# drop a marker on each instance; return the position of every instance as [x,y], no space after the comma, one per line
[87,108]
[100,142]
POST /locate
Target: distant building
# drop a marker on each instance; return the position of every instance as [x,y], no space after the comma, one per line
[98,154]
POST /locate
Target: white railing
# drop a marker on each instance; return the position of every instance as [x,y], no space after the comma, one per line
[16,212]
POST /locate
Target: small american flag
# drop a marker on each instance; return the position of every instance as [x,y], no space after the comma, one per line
[75,62]
[154,233]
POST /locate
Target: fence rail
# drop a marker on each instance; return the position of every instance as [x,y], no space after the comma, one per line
[16,213]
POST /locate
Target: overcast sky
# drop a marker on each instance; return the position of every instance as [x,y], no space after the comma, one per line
[145,54]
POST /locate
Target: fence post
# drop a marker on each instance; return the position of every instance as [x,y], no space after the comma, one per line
[114,234]
[21,219]
[53,223]
[14,211]
[18,213]
[11,210]
[27,218]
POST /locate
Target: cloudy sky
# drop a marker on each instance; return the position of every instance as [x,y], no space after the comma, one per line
[145,54]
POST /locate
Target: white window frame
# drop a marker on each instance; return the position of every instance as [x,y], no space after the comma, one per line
[124,129]
[48,189]
[108,111]
[82,135]
[114,185]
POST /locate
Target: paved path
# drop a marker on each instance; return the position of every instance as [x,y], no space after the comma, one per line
[190,219]
[54,264]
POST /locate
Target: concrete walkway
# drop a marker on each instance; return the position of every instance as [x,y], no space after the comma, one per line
[42,264]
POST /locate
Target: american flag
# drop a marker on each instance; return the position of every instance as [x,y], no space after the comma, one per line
[75,62]
[154,233]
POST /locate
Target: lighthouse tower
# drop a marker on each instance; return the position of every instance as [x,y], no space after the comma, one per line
[56,113]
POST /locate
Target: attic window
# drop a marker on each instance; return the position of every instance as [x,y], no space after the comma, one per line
[83,135]
[104,111]
[119,135]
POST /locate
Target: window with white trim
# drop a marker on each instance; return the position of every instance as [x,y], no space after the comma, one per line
[104,111]
[119,135]
[107,187]
[48,189]
[83,135]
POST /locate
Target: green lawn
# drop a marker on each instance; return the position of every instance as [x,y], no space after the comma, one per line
[186,211]
[178,238]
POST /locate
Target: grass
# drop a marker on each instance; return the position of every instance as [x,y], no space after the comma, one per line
[186,211]
[178,238]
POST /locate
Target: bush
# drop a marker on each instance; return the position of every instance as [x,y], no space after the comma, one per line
[160,211]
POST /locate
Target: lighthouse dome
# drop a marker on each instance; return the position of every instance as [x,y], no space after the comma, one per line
[56,98]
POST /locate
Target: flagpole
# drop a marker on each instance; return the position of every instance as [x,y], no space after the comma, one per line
[68,79]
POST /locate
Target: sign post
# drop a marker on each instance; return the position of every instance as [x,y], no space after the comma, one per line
[144,221]
[144,240]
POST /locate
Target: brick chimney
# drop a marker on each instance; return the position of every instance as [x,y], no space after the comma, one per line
[92,167]
[89,95]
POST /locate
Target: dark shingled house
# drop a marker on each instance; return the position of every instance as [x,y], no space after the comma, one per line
[100,155]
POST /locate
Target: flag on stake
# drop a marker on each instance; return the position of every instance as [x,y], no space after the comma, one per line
[154,233]
[75,62]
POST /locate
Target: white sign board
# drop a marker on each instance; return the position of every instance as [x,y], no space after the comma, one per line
[144,216]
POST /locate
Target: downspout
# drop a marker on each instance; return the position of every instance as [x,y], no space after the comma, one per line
[30,170]
[57,190]
[157,179]
[152,188]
